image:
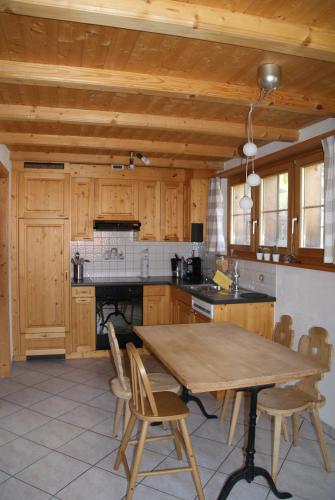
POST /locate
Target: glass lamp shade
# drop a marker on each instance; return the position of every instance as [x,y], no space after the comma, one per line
[246,203]
[249,149]
[253,179]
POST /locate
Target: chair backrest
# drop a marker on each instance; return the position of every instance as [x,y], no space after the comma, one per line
[315,345]
[142,395]
[283,333]
[115,350]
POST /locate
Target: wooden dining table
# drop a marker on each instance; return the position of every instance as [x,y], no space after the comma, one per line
[208,357]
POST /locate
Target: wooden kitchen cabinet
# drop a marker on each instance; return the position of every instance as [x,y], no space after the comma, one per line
[195,205]
[44,195]
[257,317]
[181,308]
[156,305]
[82,208]
[44,284]
[172,211]
[149,210]
[83,319]
[116,199]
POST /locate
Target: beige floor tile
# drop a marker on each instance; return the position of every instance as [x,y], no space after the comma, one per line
[90,447]
[54,434]
[6,436]
[53,472]
[32,377]
[214,430]
[150,460]
[20,453]
[142,492]
[105,401]
[209,453]
[23,421]
[308,452]
[14,489]
[7,408]
[77,375]
[100,381]
[55,385]
[9,386]
[3,477]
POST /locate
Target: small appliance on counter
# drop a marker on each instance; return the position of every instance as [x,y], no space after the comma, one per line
[186,268]
[78,267]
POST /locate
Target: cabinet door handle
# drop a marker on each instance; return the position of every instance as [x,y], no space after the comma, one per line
[65,275]
[83,301]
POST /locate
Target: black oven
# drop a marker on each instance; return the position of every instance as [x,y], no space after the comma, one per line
[122,305]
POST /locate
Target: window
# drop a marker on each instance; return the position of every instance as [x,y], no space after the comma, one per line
[287,212]
[312,206]
[274,210]
[240,219]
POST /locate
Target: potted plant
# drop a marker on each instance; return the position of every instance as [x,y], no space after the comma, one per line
[259,253]
[267,253]
[275,254]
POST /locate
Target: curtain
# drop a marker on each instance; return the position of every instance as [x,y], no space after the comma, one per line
[215,236]
[328,145]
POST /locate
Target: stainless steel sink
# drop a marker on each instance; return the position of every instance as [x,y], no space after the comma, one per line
[204,287]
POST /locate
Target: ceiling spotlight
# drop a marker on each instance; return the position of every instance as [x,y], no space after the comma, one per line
[269,76]
[143,158]
[131,163]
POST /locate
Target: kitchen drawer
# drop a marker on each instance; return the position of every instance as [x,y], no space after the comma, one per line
[39,344]
[83,291]
[154,290]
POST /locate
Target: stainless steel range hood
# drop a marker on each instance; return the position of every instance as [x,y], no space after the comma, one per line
[117,225]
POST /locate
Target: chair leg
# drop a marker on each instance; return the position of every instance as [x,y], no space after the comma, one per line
[276,446]
[236,411]
[126,415]
[191,459]
[177,442]
[124,442]
[314,412]
[137,460]
[284,429]
[295,428]
[118,415]
[224,408]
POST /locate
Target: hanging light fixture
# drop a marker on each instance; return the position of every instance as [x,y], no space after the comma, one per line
[131,161]
[269,79]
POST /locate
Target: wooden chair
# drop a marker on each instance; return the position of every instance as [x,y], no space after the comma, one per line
[282,334]
[289,401]
[149,407]
[120,385]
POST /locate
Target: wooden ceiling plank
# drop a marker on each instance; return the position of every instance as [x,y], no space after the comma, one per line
[50,75]
[135,120]
[109,159]
[10,138]
[188,20]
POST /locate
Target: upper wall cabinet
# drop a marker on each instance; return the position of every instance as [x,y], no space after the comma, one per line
[172,211]
[198,202]
[116,199]
[44,195]
[149,210]
[82,208]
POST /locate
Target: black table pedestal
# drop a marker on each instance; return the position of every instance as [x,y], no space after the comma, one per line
[250,471]
[186,397]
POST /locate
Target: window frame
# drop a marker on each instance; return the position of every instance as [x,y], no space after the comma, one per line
[306,257]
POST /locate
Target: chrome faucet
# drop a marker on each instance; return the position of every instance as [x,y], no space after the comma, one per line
[236,279]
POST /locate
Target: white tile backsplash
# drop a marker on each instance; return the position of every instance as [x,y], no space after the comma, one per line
[103,264]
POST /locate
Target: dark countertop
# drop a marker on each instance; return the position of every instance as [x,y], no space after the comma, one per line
[212,298]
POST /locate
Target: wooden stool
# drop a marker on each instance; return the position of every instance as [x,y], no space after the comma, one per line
[148,407]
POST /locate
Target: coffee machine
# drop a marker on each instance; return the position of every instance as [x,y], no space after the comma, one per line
[193,269]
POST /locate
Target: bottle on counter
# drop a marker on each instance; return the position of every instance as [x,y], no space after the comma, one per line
[145,264]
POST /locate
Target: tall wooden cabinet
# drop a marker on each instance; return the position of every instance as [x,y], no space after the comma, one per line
[82,208]
[172,211]
[150,210]
[83,319]
[44,284]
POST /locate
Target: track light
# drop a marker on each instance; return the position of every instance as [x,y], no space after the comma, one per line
[143,158]
[131,163]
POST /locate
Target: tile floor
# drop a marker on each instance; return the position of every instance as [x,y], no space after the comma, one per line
[55,443]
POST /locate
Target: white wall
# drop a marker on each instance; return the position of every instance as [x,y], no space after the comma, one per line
[309,297]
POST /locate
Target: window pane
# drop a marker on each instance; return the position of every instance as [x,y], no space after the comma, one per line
[240,231]
[312,206]
[312,236]
[240,219]
[273,210]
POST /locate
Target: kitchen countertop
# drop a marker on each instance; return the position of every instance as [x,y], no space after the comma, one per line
[210,297]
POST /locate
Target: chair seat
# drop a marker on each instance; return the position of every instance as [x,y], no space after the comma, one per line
[283,400]
[169,407]
[159,382]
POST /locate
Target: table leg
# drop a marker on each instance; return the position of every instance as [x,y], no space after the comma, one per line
[250,471]
[186,397]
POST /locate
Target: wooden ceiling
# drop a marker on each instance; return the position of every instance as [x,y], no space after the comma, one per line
[89,81]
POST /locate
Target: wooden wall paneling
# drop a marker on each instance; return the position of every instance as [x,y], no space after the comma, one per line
[18,340]
[150,210]
[5,358]
[44,195]
[44,275]
[172,211]
[116,199]
[82,208]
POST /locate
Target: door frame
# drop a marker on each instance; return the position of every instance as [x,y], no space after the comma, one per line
[5,357]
